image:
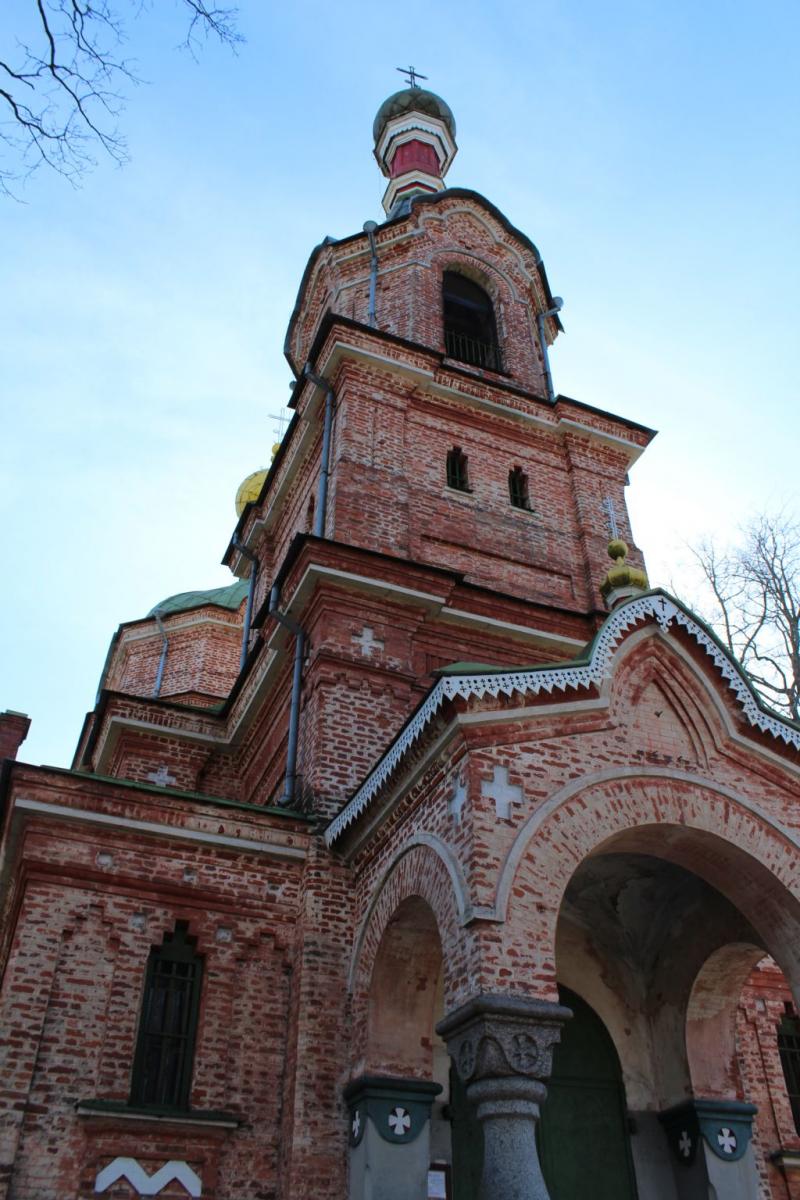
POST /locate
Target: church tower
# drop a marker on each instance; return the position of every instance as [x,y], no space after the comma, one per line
[437,856]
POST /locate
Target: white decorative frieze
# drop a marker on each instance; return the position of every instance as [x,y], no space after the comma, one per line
[586,673]
[148,1185]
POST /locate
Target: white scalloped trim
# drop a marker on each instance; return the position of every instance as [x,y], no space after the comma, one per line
[532,683]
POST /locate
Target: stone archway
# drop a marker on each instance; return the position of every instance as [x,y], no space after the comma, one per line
[405,955]
[711,1019]
[404,991]
[698,825]
[688,871]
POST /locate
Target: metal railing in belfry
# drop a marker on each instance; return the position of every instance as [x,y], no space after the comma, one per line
[471,350]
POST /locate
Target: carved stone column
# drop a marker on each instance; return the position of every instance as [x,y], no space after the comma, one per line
[502,1049]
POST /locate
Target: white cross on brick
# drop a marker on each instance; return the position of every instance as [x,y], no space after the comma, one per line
[502,792]
[367,642]
[458,798]
[162,777]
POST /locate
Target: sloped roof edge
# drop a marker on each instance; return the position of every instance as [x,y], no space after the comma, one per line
[586,671]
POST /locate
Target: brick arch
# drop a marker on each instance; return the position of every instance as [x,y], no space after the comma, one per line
[418,872]
[714,1000]
[483,271]
[704,827]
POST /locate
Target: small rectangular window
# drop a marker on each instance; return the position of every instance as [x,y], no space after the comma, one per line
[518,488]
[162,1069]
[457,470]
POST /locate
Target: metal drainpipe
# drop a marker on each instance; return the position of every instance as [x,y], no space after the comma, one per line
[325,469]
[558,304]
[369,230]
[163,658]
[290,783]
[251,591]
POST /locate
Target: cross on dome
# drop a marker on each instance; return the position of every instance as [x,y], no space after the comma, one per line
[413,75]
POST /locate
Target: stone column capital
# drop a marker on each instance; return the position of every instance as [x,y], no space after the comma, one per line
[496,1036]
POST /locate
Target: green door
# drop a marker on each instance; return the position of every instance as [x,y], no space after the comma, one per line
[583,1132]
[467,1142]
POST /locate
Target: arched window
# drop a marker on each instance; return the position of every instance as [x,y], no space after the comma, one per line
[518,488]
[470,333]
[457,470]
[162,1067]
[789,1048]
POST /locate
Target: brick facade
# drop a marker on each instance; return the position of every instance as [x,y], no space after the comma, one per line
[490,852]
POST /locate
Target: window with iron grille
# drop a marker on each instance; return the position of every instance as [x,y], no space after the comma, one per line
[162,1068]
[518,488]
[470,333]
[789,1048]
[457,470]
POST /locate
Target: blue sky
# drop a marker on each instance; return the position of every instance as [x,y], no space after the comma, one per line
[649,149]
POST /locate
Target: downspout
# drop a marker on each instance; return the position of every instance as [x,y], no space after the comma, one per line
[251,591]
[290,783]
[369,230]
[325,466]
[558,304]
[163,658]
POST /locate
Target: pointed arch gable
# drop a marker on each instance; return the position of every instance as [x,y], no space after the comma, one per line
[587,674]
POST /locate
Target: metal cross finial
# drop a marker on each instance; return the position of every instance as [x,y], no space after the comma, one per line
[280,424]
[413,75]
[611,512]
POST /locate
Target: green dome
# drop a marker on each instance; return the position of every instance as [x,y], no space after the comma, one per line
[224,597]
[413,100]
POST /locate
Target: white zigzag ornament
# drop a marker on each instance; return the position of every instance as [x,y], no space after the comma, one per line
[148,1185]
[653,605]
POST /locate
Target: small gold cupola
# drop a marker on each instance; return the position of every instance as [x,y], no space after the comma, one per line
[623,579]
[249,490]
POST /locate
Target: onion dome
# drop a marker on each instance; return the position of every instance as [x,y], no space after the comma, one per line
[249,490]
[622,580]
[222,597]
[413,99]
[415,143]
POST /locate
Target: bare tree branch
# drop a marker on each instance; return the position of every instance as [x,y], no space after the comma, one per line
[64,84]
[753,606]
